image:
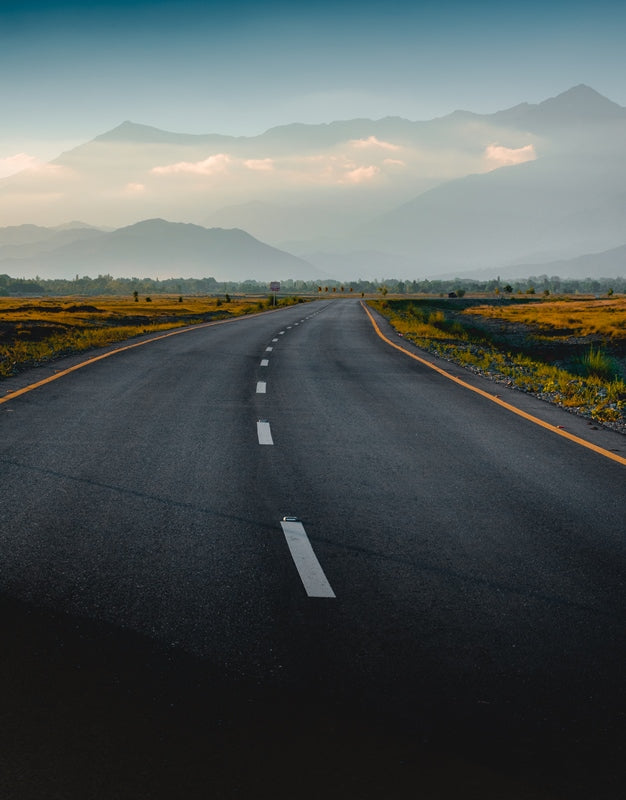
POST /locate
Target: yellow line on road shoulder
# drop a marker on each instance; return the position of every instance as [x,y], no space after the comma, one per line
[87,362]
[493,398]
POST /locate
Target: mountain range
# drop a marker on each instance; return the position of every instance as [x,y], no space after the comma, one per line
[151,248]
[514,191]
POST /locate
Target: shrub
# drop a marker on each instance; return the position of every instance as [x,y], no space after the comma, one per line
[436,319]
[596,362]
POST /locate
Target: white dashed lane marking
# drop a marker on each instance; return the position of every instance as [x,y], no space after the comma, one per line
[263,432]
[261,387]
[268,349]
[264,362]
[311,573]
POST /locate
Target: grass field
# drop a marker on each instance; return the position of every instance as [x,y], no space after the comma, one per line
[570,351]
[564,318]
[33,331]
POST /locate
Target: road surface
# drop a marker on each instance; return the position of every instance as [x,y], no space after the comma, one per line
[441,616]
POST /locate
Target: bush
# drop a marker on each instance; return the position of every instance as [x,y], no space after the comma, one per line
[596,362]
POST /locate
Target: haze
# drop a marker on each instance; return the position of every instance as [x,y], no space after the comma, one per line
[329,132]
[72,70]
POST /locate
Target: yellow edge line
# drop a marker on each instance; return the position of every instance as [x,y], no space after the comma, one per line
[497,400]
[62,373]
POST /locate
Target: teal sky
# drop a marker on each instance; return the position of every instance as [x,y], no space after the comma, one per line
[71,70]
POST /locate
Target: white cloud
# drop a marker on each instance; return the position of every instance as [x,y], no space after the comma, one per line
[361,174]
[16,163]
[394,162]
[134,188]
[372,141]
[496,155]
[209,166]
[260,164]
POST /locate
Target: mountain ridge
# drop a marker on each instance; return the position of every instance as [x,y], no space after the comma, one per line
[528,183]
[169,249]
[580,102]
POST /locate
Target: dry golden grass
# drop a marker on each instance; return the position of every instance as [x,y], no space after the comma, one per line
[605,317]
[593,386]
[75,310]
[34,331]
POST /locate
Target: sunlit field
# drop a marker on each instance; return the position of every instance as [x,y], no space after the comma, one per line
[562,318]
[35,331]
[571,352]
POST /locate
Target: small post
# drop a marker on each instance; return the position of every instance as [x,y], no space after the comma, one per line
[274,287]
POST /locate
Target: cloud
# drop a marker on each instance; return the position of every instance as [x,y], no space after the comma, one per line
[16,163]
[372,141]
[260,164]
[134,188]
[209,166]
[321,169]
[361,174]
[496,155]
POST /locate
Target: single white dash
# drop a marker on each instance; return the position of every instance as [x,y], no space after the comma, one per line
[280,333]
[296,324]
[268,349]
[261,387]
[309,569]
[265,362]
[275,340]
[263,432]
[288,327]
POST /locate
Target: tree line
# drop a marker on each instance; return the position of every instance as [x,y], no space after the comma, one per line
[108,285]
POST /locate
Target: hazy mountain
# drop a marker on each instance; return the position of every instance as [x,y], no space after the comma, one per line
[288,225]
[525,185]
[576,106]
[25,241]
[33,234]
[137,171]
[608,264]
[158,248]
[567,202]
[548,207]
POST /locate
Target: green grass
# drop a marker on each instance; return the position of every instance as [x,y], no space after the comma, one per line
[597,363]
[593,387]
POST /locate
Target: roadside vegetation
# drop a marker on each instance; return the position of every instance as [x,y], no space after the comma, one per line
[570,351]
[123,287]
[33,331]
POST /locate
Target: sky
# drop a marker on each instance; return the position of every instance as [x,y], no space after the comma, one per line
[70,71]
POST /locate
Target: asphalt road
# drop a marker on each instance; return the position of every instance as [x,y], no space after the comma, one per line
[445,620]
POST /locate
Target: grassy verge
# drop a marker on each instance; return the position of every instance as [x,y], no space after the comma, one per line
[579,366]
[35,331]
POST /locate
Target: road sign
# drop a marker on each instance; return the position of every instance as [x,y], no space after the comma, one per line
[275,286]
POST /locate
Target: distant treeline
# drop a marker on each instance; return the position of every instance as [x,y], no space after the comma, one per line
[106,284]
